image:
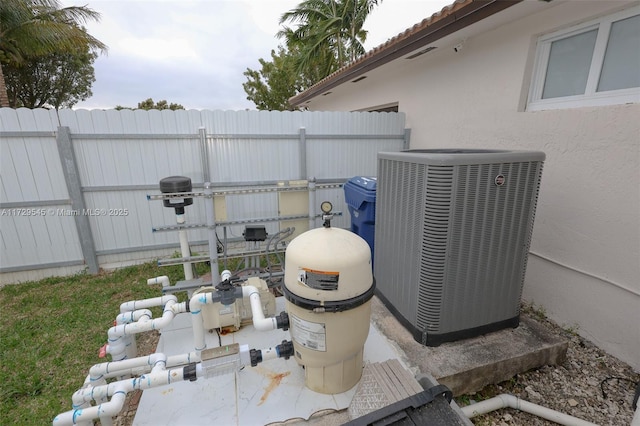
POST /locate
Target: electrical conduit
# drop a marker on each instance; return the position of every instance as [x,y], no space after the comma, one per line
[511,401]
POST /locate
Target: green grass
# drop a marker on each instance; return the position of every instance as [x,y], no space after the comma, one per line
[50,333]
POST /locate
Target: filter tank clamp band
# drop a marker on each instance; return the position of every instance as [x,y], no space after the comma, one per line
[329,306]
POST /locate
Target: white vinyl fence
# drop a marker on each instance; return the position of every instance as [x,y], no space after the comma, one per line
[74,184]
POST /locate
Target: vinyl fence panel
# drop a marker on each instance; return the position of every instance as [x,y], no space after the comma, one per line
[121,156]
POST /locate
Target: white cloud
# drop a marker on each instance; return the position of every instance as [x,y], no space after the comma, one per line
[154,48]
[194,52]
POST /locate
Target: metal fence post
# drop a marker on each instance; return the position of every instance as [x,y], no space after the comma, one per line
[74,186]
[407,139]
[303,153]
[204,152]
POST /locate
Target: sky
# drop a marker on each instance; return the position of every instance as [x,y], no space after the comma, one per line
[194,52]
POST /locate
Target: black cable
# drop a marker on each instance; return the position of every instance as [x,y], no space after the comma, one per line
[637,384]
[219,338]
[219,245]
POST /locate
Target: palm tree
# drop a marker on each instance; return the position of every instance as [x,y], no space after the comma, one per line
[328,34]
[38,27]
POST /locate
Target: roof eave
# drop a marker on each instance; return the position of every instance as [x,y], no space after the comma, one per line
[439,27]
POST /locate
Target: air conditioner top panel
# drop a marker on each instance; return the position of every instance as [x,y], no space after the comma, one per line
[454,157]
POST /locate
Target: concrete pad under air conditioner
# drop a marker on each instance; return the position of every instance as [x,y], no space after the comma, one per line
[467,366]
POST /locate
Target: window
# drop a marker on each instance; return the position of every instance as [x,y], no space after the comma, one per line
[595,63]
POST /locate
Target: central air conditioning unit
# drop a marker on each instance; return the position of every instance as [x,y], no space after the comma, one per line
[452,235]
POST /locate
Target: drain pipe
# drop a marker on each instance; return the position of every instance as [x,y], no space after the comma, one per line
[511,401]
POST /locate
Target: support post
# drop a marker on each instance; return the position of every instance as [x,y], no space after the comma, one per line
[407,139]
[303,153]
[211,231]
[74,186]
[312,202]
[204,154]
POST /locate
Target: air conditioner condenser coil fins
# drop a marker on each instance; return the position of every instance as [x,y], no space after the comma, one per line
[453,229]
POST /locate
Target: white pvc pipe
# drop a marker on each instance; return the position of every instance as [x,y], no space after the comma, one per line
[141,326]
[511,401]
[184,248]
[195,306]
[269,353]
[164,280]
[157,377]
[133,316]
[146,303]
[183,359]
[121,346]
[260,323]
[99,373]
[81,415]
[108,370]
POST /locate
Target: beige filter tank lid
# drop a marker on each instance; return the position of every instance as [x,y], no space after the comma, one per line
[328,264]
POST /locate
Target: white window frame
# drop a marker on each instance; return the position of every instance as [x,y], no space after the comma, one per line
[591,97]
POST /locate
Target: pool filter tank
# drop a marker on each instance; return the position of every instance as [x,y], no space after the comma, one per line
[328,285]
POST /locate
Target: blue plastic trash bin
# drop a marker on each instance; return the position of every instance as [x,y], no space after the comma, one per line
[360,195]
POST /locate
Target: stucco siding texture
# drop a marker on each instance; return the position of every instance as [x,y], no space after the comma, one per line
[585,259]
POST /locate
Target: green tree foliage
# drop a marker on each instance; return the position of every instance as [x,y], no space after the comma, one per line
[271,87]
[327,29]
[326,35]
[58,80]
[30,28]
[149,104]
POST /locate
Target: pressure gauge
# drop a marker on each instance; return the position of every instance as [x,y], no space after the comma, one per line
[326,207]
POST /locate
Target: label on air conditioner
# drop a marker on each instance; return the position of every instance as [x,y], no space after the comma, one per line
[319,280]
[311,335]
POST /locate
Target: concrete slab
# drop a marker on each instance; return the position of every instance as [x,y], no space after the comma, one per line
[469,365]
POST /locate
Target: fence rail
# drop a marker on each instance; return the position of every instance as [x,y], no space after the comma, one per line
[75,183]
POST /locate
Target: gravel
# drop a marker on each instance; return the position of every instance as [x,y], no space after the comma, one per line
[591,385]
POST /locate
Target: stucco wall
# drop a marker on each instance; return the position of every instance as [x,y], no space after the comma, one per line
[584,267]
